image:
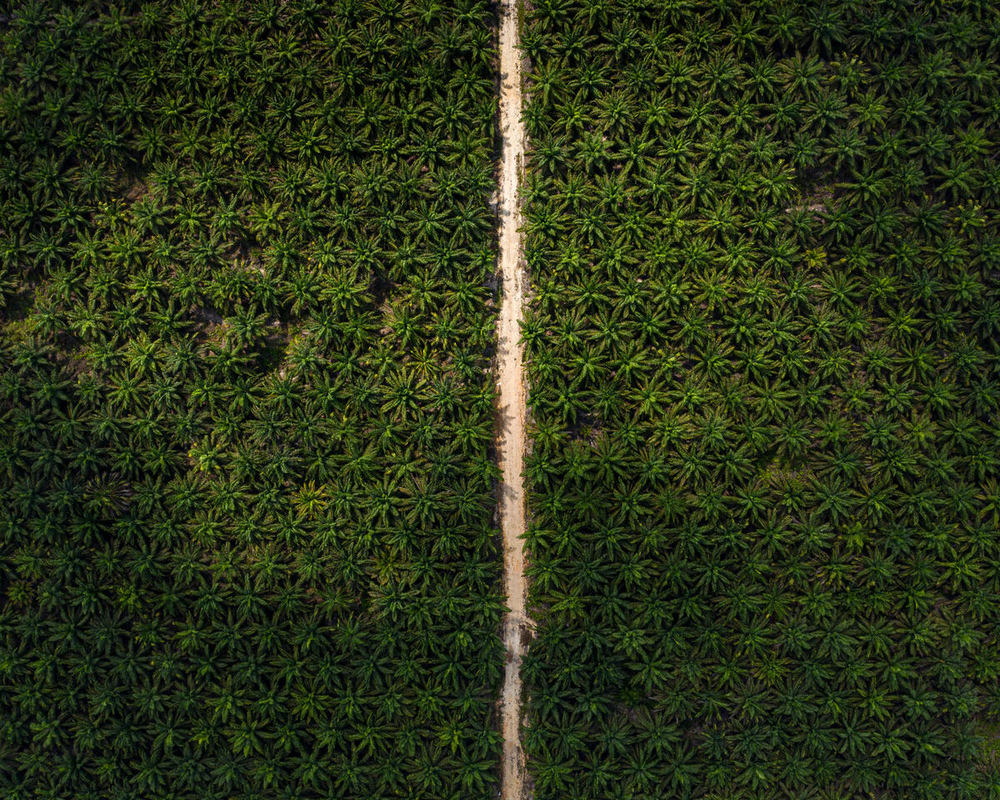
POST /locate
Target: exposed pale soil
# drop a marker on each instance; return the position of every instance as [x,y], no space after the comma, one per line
[513,407]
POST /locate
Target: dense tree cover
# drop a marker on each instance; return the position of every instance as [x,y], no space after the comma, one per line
[764,245]
[246,310]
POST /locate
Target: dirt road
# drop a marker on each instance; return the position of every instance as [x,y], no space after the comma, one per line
[513,405]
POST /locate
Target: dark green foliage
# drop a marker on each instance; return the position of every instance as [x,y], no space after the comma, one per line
[246,534]
[763,349]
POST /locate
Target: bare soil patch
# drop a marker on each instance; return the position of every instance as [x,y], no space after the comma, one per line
[513,402]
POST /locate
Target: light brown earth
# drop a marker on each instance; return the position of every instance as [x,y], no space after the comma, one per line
[513,406]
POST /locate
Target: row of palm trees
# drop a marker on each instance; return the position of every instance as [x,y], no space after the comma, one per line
[764,380]
[246,412]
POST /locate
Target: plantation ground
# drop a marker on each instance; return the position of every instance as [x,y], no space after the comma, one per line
[248,410]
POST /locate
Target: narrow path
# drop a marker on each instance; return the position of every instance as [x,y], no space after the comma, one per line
[513,406]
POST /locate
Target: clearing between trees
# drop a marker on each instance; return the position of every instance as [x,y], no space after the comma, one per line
[513,407]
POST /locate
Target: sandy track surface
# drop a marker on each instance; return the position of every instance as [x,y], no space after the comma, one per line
[513,406]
